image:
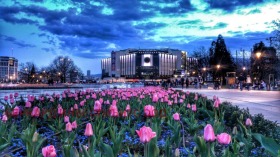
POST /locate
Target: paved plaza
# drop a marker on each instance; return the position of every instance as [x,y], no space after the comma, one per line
[264,102]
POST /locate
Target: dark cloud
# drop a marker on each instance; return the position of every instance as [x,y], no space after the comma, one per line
[20,44]
[230,5]
[150,26]
[255,11]
[187,22]
[220,25]
[8,14]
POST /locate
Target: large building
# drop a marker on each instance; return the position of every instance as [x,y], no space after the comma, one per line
[8,69]
[144,63]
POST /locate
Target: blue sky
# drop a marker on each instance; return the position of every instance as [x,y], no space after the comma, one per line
[87,31]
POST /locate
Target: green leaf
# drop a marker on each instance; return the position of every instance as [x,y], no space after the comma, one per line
[268,143]
[106,150]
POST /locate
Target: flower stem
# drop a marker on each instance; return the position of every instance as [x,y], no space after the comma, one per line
[183,134]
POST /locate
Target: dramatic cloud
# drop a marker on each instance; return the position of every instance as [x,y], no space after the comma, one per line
[19,44]
[87,29]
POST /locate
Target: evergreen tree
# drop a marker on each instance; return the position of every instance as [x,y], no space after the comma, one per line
[220,55]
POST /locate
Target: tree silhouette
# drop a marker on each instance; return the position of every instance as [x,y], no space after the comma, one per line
[64,68]
[221,60]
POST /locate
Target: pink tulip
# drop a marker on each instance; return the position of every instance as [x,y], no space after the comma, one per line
[4,118]
[16,95]
[176,116]
[181,101]
[88,131]
[224,138]
[169,103]
[216,103]
[196,97]
[11,96]
[69,127]
[16,111]
[27,104]
[51,99]
[35,112]
[248,122]
[97,106]
[149,111]
[127,108]
[6,98]
[66,119]
[145,134]
[175,100]
[74,125]
[189,106]
[114,111]
[76,106]
[12,101]
[114,103]
[60,110]
[155,98]
[82,103]
[49,151]
[209,134]
[124,114]
[194,107]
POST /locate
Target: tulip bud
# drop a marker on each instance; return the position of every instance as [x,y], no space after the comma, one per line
[177,152]
[35,137]
[234,130]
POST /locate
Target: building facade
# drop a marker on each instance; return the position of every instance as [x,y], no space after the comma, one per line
[8,69]
[192,66]
[144,63]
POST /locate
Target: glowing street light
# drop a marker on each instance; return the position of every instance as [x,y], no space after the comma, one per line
[218,66]
[244,68]
[258,54]
[204,69]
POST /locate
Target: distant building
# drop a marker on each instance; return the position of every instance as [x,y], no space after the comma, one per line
[144,63]
[191,66]
[8,69]
[88,73]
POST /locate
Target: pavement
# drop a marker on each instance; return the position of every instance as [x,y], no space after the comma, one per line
[257,101]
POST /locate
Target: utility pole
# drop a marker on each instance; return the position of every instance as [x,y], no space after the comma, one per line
[243,57]
[236,58]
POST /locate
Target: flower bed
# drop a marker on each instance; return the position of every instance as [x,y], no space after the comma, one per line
[148,121]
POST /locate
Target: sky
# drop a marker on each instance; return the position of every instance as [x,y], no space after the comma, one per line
[88,30]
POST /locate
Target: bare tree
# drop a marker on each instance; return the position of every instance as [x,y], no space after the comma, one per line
[202,60]
[27,72]
[64,68]
[275,42]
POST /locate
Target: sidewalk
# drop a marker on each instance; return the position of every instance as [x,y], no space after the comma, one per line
[264,102]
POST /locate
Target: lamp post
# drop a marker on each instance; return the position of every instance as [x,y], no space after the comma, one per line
[204,73]
[218,68]
[258,55]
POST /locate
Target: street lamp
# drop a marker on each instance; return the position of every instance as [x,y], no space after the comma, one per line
[204,73]
[218,66]
[258,54]
[244,68]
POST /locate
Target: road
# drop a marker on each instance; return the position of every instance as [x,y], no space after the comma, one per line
[264,102]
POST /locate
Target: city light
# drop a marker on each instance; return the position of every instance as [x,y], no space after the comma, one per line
[258,54]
